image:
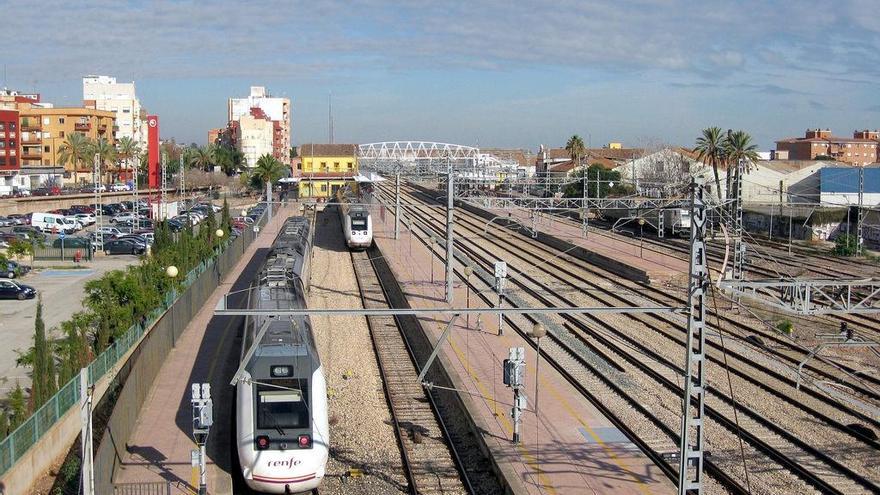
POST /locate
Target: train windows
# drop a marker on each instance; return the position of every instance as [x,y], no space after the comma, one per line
[283,408]
[358,224]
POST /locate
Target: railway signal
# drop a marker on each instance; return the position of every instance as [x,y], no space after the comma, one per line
[500,278]
[514,373]
[202,420]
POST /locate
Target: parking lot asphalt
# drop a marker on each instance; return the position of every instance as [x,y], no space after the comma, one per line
[62,291]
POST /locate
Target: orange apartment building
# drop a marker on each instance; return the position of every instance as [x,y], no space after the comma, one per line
[861,149]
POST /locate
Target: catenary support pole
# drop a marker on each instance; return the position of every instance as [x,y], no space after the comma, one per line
[450,261]
[397,205]
[690,474]
[268,200]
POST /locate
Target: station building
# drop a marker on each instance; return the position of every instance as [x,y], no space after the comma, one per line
[323,169]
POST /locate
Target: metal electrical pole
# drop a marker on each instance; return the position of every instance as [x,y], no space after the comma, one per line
[585,210]
[99,212]
[860,216]
[182,193]
[137,208]
[397,204]
[690,473]
[739,247]
[85,404]
[449,247]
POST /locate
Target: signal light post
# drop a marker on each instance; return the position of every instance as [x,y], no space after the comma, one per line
[202,420]
[514,377]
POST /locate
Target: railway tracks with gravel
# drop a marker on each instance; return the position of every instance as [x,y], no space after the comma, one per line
[774,444]
[437,459]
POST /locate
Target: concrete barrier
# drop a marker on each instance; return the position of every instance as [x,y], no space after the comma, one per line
[31,204]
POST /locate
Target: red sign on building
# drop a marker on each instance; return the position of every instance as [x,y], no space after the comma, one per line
[153,151]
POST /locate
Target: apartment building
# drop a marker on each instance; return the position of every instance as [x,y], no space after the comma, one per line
[325,168]
[861,149]
[276,110]
[43,131]
[104,93]
[255,136]
[10,144]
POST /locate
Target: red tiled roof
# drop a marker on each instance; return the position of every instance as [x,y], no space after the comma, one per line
[309,150]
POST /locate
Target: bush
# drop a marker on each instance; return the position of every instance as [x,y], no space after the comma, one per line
[846,245]
[785,326]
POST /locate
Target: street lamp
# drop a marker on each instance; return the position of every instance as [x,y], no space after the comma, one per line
[538,331]
[641,239]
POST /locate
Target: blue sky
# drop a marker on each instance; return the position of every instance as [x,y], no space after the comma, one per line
[492,73]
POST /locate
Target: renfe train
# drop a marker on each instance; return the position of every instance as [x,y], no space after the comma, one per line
[676,221]
[357,225]
[281,395]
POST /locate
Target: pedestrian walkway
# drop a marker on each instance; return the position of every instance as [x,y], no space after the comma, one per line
[207,351]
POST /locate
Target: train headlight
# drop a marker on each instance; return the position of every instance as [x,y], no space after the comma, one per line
[305,441]
[262,442]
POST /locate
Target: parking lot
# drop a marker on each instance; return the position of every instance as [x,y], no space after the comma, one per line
[62,292]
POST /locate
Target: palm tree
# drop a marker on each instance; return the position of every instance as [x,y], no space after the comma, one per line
[105,151]
[710,148]
[127,148]
[202,158]
[267,170]
[74,150]
[576,149]
[230,160]
[739,146]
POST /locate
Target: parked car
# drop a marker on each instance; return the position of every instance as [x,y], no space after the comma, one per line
[74,242]
[118,187]
[20,219]
[42,191]
[124,246]
[175,225]
[72,219]
[82,209]
[149,235]
[137,238]
[111,231]
[14,290]
[123,217]
[28,231]
[143,223]
[6,222]
[11,269]
[85,218]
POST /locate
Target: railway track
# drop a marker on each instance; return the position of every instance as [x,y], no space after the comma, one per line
[429,449]
[798,457]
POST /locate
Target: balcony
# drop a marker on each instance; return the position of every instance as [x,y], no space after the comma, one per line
[82,126]
[32,139]
[35,154]
[30,126]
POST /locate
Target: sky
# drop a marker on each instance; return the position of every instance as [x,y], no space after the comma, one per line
[486,73]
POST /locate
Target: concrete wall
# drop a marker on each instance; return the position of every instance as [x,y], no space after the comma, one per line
[46,203]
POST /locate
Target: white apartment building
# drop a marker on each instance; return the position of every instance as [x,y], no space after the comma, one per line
[276,109]
[104,93]
[254,138]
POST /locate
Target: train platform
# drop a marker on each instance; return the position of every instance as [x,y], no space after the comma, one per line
[568,446]
[208,351]
[661,267]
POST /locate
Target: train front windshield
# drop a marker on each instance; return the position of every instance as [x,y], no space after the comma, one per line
[358,224]
[283,407]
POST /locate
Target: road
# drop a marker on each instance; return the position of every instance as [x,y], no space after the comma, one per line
[62,291]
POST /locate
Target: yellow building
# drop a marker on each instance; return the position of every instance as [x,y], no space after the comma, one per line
[615,146]
[43,132]
[325,168]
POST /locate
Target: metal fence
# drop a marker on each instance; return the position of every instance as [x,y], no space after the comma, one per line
[65,254]
[13,447]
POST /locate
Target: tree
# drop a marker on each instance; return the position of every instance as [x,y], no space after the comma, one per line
[230,160]
[44,370]
[75,150]
[18,408]
[105,151]
[127,149]
[267,170]
[202,158]
[575,189]
[710,148]
[738,146]
[576,149]
[225,218]
[846,245]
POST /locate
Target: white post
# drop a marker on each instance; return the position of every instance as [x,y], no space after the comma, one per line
[85,400]
[450,261]
[397,205]
[268,200]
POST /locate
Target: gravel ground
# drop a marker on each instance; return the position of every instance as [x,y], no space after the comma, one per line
[361,435]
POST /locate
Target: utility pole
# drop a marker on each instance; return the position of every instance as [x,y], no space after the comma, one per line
[182,193]
[449,246]
[860,216]
[585,211]
[163,191]
[134,165]
[397,203]
[690,473]
[99,212]
[739,247]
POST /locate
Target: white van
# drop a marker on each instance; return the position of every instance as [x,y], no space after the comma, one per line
[52,223]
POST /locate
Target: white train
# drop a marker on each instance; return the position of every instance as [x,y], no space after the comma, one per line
[675,221]
[357,224]
[282,430]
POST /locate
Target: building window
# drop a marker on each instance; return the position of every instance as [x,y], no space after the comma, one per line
[45,149]
[45,162]
[323,187]
[350,165]
[61,134]
[60,120]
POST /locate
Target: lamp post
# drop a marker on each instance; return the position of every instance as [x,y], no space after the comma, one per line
[171,271]
[641,238]
[538,331]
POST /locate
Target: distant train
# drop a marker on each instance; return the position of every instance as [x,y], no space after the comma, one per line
[282,429]
[675,221]
[357,224]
